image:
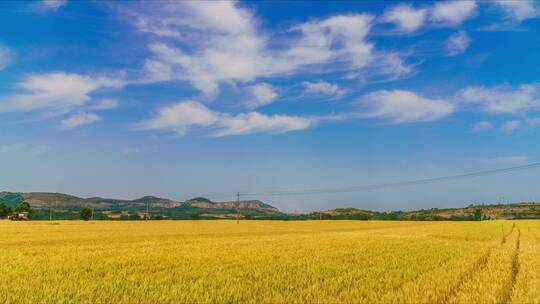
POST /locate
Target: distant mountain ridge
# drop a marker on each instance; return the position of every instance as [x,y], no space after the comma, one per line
[200,207]
[67,206]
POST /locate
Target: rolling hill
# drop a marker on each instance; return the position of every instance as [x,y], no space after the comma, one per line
[524,210]
[67,206]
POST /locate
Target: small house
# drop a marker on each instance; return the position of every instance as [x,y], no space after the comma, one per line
[19,216]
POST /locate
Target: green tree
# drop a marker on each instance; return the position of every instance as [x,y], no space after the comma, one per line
[478,214]
[24,207]
[134,216]
[4,210]
[85,213]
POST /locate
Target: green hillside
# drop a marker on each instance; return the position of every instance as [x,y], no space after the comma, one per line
[524,210]
[67,207]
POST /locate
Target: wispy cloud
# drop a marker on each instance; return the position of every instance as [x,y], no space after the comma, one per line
[518,10]
[511,125]
[453,13]
[57,90]
[503,98]
[482,126]
[6,56]
[58,93]
[79,119]
[185,115]
[323,88]
[457,43]
[53,4]
[399,106]
[104,104]
[260,95]
[208,54]
[405,17]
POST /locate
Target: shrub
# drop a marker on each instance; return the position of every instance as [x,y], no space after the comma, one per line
[4,210]
[85,213]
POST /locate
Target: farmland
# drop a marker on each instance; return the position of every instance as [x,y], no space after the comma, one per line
[269,262]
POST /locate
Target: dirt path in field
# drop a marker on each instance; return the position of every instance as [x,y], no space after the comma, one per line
[481,262]
[507,295]
[466,277]
[508,234]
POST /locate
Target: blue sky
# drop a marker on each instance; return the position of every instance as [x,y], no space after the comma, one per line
[182,99]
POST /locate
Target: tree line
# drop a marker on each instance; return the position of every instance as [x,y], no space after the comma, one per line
[24,207]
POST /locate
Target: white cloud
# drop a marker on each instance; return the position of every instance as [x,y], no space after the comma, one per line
[318,41]
[323,88]
[511,125]
[503,98]
[482,126]
[79,119]
[53,4]
[389,66]
[518,10]
[261,94]
[507,160]
[207,51]
[104,104]
[181,116]
[399,106]
[453,13]
[405,17]
[6,56]
[255,122]
[57,91]
[457,43]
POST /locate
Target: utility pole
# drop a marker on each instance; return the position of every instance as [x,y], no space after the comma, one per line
[147,209]
[51,210]
[92,213]
[237,206]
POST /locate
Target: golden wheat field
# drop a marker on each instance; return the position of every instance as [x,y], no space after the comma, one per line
[270,262]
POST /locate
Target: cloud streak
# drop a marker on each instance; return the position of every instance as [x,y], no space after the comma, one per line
[53,4]
[518,10]
[503,98]
[323,88]
[185,115]
[56,90]
[79,119]
[400,106]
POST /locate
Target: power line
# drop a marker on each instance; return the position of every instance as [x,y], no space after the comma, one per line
[355,189]
[394,185]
